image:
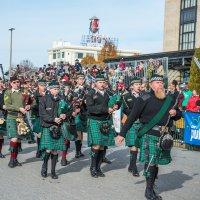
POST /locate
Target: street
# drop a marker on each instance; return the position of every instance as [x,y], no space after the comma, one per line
[180,180]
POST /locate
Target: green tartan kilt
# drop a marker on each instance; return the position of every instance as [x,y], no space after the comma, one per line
[66,133]
[95,137]
[3,129]
[37,128]
[48,143]
[150,151]
[132,134]
[11,127]
[81,125]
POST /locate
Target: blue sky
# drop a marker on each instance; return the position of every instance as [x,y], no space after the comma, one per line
[137,23]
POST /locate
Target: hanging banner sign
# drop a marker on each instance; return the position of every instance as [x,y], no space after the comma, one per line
[192,128]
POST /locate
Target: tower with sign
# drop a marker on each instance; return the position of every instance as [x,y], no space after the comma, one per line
[94,38]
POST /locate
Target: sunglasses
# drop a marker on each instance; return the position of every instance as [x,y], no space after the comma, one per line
[14,82]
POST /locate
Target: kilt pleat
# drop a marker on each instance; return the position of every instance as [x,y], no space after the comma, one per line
[3,129]
[151,152]
[132,134]
[48,143]
[81,125]
[66,133]
[95,137]
[11,127]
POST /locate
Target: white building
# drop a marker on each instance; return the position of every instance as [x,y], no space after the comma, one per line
[65,52]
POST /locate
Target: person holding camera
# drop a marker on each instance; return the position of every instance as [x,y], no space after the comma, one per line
[52,139]
[100,134]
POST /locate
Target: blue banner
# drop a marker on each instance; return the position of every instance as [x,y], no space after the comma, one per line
[192,128]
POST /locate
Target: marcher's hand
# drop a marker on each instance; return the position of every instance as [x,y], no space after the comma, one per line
[57,120]
[4,107]
[63,116]
[115,107]
[110,110]
[119,139]
[172,112]
[77,110]
[27,107]
[22,110]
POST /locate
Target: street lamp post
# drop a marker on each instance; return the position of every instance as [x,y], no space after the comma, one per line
[11,30]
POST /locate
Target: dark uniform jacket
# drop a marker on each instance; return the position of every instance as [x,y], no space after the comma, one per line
[128,102]
[145,108]
[35,108]
[48,110]
[97,105]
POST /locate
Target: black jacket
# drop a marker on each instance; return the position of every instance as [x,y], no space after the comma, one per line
[48,110]
[145,108]
[128,102]
[97,105]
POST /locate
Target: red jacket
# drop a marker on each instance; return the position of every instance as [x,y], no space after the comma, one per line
[191,106]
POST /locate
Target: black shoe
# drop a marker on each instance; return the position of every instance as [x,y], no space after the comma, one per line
[94,162]
[54,159]
[43,173]
[105,160]
[132,166]
[130,169]
[64,162]
[38,154]
[158,197]
[135,172]
[54,175]
[2,156]
[17,163]
[12,163]
[99,162]
[149,194]
[150,180]
[45,165]
[100,173]
[93,172]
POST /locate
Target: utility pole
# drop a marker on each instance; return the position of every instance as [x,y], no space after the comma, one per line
[11,35]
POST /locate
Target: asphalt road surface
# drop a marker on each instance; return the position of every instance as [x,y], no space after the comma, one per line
[178,181]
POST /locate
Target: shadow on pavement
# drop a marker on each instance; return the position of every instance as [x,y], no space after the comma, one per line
[120,160]
[171,181]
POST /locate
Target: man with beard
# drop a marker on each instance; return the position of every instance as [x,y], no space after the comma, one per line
[154,110]
[128,104]
[100,134]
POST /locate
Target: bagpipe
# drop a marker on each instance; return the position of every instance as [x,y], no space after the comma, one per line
[24,124]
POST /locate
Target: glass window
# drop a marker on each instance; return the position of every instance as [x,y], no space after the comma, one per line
[79,55]
[54,55]
[193,3]
[63,54]
[58,55]
[188,3]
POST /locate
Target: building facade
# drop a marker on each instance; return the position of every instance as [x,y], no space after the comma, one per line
[181,25]
[67,53]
